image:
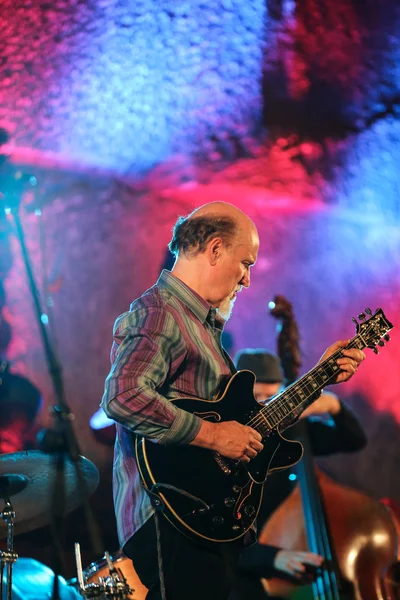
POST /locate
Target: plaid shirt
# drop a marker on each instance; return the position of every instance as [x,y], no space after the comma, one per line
[167,346]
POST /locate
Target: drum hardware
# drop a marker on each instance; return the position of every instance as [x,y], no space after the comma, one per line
[28,476]
[68,453]
[114,586]
[7,557]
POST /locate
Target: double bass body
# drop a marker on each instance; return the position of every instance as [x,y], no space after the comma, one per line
[364,536]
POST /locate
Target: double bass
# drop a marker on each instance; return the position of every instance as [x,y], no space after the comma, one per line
[358,536]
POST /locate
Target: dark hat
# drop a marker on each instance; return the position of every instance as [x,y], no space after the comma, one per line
[265,364]
[17,393]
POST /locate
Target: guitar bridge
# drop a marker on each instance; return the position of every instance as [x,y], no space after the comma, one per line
[222,463]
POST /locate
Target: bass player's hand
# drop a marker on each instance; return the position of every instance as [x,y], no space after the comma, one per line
[326,404]
[294,562]
[230,439]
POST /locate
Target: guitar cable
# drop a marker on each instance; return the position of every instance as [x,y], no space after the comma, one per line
[159,558]
[158,505]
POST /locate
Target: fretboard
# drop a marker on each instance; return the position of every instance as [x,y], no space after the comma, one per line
[285,408]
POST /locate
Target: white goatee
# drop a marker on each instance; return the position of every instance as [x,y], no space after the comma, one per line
[226,307]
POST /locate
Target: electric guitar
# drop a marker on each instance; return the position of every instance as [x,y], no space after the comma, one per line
[208,496]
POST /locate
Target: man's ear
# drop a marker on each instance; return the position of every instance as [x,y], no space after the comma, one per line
[214,250]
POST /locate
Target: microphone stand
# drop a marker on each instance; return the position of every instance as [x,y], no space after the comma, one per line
[61,440]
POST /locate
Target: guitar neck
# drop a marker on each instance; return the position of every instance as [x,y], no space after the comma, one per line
[285,408]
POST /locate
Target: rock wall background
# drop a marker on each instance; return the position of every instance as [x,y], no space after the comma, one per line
[130,114]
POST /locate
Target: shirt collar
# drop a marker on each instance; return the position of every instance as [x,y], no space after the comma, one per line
[200,307]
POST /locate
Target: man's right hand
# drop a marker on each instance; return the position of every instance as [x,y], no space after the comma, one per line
[230,439]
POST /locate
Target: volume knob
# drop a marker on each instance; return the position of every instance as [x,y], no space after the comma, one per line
[249,510]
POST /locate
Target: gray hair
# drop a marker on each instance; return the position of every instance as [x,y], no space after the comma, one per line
[192,234]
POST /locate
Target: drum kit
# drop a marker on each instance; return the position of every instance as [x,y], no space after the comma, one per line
[26,481]
[28,478]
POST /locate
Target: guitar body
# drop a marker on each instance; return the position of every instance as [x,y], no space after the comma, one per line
[202,493]
[208,496]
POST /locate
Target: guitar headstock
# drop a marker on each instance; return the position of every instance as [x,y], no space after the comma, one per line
[373,331]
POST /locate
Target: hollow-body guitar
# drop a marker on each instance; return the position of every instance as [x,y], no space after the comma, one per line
[212,497]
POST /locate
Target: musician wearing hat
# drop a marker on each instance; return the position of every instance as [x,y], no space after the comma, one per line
[20,403]
[332,428]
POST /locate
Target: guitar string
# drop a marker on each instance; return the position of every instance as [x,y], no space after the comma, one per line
[288,394]
[274,409]
[278,406]
[262,418]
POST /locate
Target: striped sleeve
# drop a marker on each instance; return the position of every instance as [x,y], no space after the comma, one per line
[148,348]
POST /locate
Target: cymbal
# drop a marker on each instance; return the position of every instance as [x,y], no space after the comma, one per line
[28,479]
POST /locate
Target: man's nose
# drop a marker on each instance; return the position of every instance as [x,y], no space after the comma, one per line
[245,281]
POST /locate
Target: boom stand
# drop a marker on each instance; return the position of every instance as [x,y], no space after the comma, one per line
[61,441]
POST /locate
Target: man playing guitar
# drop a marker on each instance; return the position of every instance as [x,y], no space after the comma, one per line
[166,347]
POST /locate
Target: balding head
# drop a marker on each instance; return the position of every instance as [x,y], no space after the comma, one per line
[216,219]
[222,209]
[215,247]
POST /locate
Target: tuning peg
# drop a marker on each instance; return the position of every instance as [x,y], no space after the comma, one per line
[368,311]
[376,350]
[354,321]
[386,337]
[362,317]
[381,343]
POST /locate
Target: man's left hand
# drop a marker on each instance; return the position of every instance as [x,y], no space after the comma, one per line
[349,363]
